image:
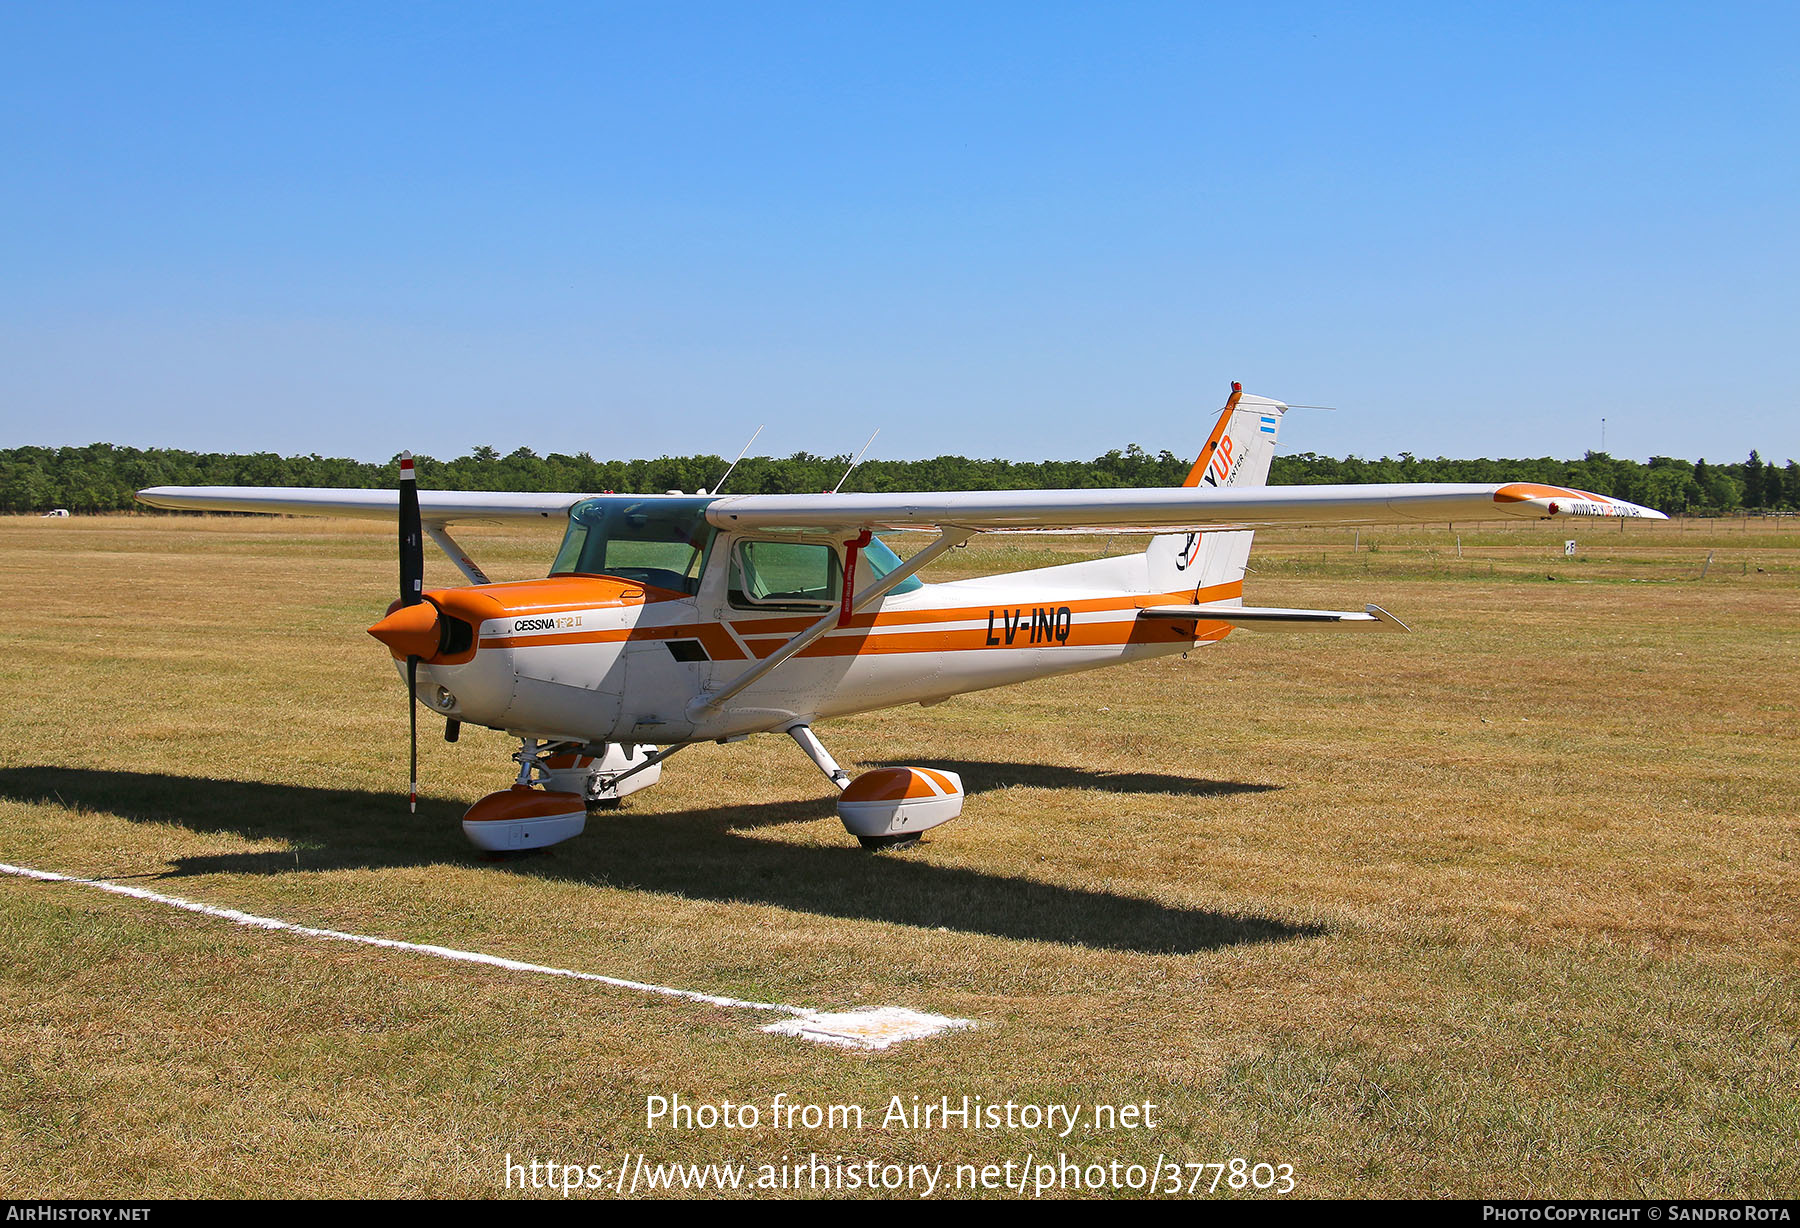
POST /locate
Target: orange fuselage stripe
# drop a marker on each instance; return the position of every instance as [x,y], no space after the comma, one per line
[764,636]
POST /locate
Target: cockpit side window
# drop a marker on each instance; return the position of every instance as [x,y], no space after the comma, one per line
[803,574]
[659,541]
[785,575]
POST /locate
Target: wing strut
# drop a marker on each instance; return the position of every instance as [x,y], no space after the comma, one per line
[948,538]
[440,535]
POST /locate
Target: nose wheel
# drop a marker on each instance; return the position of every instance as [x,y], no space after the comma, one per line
[877,843]
[525,817]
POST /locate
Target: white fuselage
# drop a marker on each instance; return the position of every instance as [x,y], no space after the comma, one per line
[559,665]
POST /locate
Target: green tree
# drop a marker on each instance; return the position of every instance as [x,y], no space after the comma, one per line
[1753,480]
[1670,487]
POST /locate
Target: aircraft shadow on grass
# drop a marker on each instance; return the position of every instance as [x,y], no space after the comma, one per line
[697,853]
[984,776]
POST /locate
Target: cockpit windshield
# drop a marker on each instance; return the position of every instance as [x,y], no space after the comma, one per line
[661,540]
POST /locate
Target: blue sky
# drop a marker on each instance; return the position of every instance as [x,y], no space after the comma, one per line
[1025,230]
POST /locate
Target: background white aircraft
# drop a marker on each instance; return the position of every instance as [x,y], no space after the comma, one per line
[674,619]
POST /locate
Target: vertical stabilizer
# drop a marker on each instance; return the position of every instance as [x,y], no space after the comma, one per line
[1238,452]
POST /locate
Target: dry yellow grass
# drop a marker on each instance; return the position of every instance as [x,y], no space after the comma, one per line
[1505,906]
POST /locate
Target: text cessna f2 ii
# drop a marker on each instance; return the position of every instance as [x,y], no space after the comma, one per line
[669,620]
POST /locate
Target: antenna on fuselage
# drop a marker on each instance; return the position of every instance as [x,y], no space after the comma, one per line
[856,462]
[720,484]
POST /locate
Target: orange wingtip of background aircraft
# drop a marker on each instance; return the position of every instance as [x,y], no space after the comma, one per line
[673,619]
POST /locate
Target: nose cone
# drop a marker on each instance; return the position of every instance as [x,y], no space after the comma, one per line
[410,631]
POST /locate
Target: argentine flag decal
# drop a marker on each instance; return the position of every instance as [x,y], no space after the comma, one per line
[1268,425]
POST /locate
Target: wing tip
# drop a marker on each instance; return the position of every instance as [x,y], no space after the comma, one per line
[1567,501]
[150,496]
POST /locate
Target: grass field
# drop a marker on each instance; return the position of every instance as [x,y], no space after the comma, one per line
[1506,906]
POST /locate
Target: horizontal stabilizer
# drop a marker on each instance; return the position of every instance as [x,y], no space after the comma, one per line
[1274,618]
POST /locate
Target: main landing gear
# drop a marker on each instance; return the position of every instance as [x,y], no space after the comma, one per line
[559,782]
[888,807]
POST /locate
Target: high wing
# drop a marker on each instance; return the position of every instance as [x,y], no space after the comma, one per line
[1168,509]
[1153,510]
[435,506]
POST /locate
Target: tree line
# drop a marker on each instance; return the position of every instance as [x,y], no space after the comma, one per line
[102,477]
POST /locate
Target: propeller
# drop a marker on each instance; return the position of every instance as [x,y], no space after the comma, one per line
[412,586]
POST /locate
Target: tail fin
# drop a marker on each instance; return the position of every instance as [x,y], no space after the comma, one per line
[1238,452]
[1242,444]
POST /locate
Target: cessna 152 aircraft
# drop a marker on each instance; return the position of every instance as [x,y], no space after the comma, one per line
[669,620]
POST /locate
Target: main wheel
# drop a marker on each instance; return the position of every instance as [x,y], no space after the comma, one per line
[904,840]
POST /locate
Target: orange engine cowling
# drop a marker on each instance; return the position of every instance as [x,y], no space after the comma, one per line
[523,818]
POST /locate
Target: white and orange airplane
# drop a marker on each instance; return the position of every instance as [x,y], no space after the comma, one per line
[673,619]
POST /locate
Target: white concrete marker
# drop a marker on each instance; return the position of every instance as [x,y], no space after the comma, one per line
[867,1027]
[874,1027]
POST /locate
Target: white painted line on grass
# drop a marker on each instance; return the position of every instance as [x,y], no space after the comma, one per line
[873,1027]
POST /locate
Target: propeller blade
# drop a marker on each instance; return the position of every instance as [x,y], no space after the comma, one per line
[412,592]
[412,536]
[412,709]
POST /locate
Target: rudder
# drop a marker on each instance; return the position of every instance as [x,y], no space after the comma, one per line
[1242,444]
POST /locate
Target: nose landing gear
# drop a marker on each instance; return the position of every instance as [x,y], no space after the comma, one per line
[522,817]
[558,783]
